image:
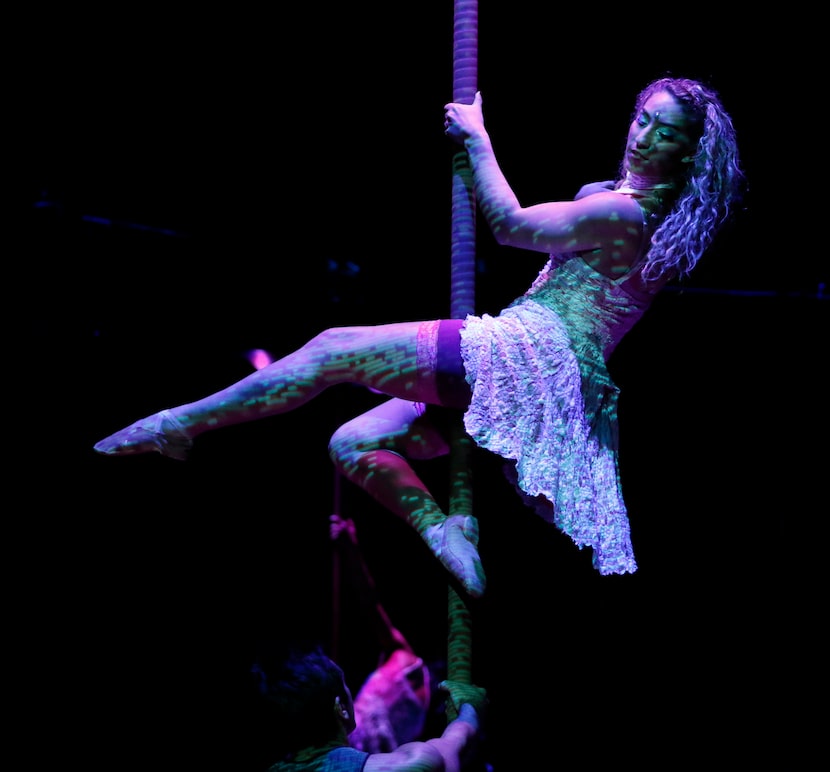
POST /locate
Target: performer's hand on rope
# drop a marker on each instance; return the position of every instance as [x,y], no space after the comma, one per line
[459,693]
[339,526]
[462,121]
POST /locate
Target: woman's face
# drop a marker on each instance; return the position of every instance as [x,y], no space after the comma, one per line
[659,144]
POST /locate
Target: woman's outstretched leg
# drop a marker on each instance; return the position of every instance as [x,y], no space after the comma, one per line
[384,357]
[372,451]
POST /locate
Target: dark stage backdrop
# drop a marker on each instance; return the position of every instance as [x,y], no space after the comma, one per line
[200,185]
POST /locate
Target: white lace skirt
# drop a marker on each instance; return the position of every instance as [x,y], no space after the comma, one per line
[548,405]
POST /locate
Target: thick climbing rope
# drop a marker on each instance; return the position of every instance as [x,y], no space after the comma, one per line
[462,302]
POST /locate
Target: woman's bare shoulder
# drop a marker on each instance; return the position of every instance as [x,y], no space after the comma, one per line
[611,206]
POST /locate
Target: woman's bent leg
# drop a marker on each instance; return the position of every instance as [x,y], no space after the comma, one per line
[371,451]
[384,357]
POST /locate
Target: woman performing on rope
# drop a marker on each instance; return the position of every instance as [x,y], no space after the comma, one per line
[532,382]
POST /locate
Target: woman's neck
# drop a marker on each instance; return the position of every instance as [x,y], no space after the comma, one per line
[643,186]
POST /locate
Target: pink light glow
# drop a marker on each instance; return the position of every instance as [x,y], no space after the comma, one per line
[259,358]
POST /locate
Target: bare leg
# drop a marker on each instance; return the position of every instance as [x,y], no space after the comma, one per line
[371,451]
[383,357]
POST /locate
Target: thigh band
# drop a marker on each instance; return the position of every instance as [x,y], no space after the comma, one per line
[440,363]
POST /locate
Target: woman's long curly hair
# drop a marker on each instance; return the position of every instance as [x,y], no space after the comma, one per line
[714,182]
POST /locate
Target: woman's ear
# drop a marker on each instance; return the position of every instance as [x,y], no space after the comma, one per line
[340,709]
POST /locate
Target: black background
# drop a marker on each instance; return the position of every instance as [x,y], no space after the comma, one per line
[198,185]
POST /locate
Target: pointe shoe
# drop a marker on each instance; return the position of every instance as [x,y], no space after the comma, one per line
[454,542]
[160,432]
